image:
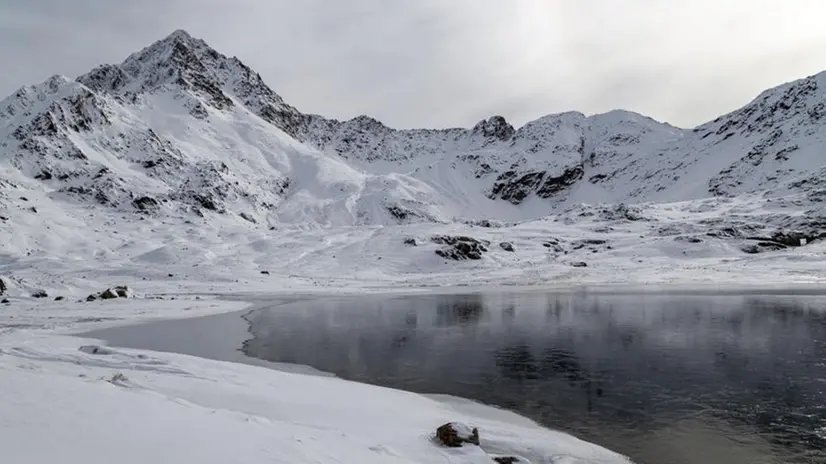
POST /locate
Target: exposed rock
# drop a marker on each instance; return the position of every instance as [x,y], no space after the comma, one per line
[108,294]
[5,301]
[591,241]
[579,264]
[120,291]
[265,272]
[455,434]
[487,223]
[410,241]
[59,298]
[554,185]
[689,239]
[494,127]
[460,248]
[507,246]
[553,244]
[40,294]
[146,204]
[793,239]
[3,286]
[771,246]
[510,460]
[406,215]
[621,212]
[248,217]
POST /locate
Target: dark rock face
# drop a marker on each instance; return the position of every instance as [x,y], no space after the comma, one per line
[507,246]
[120,291]
[621,212]
[40,294]
[146,204]
[771,246]
[554,245]
[460,248]
[768,241]
[794,239]
[406,215]
[554,185]
[508,460]
[410,241]
[3,286]
[514,187]
[495,127]
[5,301]
[688,239]
[455,435]
[108,294]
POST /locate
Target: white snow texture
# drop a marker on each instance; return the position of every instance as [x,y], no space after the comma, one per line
[179,171]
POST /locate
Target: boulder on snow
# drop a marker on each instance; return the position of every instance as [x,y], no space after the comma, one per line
[3,286]
[40,294]
[248,217]
[5,301]
[510,460]
[410,241]
[120,291]
[460,248]
[507,246]
[108,294]
[456,434]
[579,264]
[554,244]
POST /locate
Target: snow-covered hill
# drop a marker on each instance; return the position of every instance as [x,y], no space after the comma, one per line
[183,156]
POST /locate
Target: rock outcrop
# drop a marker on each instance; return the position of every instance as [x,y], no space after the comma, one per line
[455,434]
[460,248]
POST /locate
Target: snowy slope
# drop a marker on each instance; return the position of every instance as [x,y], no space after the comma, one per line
[181,156]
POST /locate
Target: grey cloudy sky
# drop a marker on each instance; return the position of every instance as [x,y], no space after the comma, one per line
[436,63]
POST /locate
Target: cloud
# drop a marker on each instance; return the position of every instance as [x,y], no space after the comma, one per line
[433,63]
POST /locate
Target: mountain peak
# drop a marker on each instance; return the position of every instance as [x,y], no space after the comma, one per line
[179,35]
[178,58]
[496,127]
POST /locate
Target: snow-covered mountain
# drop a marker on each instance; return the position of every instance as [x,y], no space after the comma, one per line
[179,135]
[180,126]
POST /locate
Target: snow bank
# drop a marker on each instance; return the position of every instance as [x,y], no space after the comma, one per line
[66,403]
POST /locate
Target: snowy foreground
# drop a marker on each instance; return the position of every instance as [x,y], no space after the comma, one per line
[62,402]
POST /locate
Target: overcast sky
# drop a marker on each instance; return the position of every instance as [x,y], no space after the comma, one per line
[436,63]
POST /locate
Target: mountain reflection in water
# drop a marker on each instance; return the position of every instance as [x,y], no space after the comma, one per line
[663,379]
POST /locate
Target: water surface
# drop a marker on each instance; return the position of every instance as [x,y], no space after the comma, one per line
[663,379]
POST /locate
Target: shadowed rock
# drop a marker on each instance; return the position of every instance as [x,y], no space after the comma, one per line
[454,435]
